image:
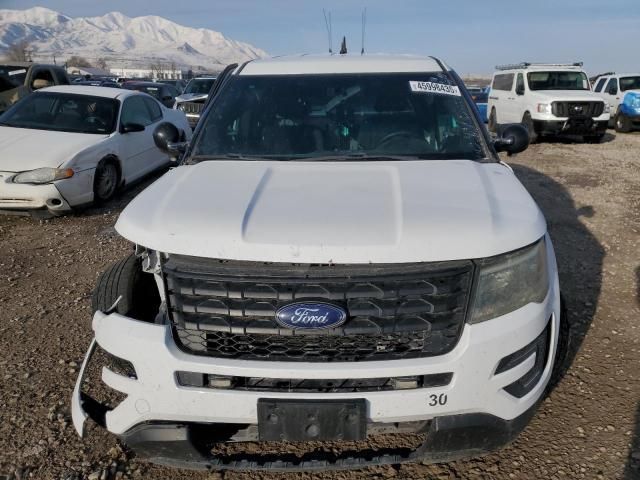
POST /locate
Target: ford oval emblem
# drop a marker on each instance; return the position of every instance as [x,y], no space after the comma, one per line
[310,316]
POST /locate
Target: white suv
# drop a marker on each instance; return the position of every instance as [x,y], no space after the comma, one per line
[549,99]
[341,253]
[622,92]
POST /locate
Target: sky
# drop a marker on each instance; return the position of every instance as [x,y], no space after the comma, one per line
[472,36]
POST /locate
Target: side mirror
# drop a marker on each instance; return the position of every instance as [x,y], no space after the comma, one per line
[511,138]
[167,138]
[132,128]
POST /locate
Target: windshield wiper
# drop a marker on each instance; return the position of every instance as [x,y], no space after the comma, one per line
[357,156]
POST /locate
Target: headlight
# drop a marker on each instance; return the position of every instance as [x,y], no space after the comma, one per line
[43,175]
[544,108]
[180,106]
[509,282]
[607,107]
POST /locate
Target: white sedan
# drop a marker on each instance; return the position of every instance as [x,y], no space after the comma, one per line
[67,146]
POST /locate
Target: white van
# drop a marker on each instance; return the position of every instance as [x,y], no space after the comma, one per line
[622,92]
[550,99]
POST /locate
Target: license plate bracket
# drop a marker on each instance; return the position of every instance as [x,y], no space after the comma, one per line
[306,420]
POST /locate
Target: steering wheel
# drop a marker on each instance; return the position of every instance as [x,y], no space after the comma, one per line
[392,136]
[97,121]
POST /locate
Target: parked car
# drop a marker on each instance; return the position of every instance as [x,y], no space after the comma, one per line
[178,84]
[550,99]
[480,96]
[341,253]
[98,83]
[19,79]
[194,98]
[166,94]
[622,92]
[63,147]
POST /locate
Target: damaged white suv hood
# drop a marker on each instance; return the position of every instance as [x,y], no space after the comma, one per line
[338,212]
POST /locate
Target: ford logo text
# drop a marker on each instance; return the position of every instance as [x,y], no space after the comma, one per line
[310,316]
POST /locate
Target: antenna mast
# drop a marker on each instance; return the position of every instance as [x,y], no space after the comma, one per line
[327,22]
[364,25]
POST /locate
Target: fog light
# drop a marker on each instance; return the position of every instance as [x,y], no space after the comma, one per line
[220,381]
[405,383]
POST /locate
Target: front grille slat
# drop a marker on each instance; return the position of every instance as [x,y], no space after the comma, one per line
[227,309]
[577,109]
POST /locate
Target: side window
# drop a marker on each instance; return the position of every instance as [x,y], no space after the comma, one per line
[612,86]
[61,76]
[154,109]
[520,84]
[600,84]
[135,110]
[503,81]
[42,77]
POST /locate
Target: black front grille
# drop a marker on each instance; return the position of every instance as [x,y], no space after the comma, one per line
[577,109]
[227,309]
[192,107]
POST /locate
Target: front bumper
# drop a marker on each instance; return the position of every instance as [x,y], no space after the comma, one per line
[571,126]
[158,416]
[25,197]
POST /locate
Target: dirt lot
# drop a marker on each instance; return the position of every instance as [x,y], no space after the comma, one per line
[588,428]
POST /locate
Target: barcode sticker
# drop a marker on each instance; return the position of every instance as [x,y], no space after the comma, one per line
[432,87]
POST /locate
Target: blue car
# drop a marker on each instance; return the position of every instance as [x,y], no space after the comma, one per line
[480,96]
[628,117]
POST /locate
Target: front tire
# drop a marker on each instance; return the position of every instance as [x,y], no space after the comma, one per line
[105,181]
[493,122]
[138,289]
[622,123]
[528,122]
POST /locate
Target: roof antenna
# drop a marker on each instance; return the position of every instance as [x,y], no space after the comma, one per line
[343,47]
[364,25]
[327,22]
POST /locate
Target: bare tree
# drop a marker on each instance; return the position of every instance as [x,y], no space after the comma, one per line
[157,70]
[102,63]
[20,51]
[77,61]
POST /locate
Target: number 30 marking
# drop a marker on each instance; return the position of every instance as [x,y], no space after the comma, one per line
[437,400]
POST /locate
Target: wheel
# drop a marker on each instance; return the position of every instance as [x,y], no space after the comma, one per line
[527,121]
[593,138]
[105,181]
[561,361]
[622,123]
[493,122]
[139,292]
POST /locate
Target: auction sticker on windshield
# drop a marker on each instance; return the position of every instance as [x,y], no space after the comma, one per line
[432,87]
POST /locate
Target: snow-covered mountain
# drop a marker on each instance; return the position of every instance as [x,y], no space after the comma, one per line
[121,40]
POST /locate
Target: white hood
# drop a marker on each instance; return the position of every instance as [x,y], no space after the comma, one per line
[26,149]
[357,212]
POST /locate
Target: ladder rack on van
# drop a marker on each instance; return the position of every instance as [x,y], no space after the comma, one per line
[525,65]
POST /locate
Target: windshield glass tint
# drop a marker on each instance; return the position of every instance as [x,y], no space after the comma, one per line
[629,83]
[63,112]
[200,86]
[311,116]
[11,77]
[558,81]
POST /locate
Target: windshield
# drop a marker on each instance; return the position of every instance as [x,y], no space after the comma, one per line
[200,86]
[63,112]
[558,81]
[629,83]
[326,116]
[11,77]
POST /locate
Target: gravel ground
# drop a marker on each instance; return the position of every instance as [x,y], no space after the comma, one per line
[589,427]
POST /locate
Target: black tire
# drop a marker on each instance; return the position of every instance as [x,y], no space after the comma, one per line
[105,181]
[493,122]
[622,123]
[527,121]
[561,362]
[140,297]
